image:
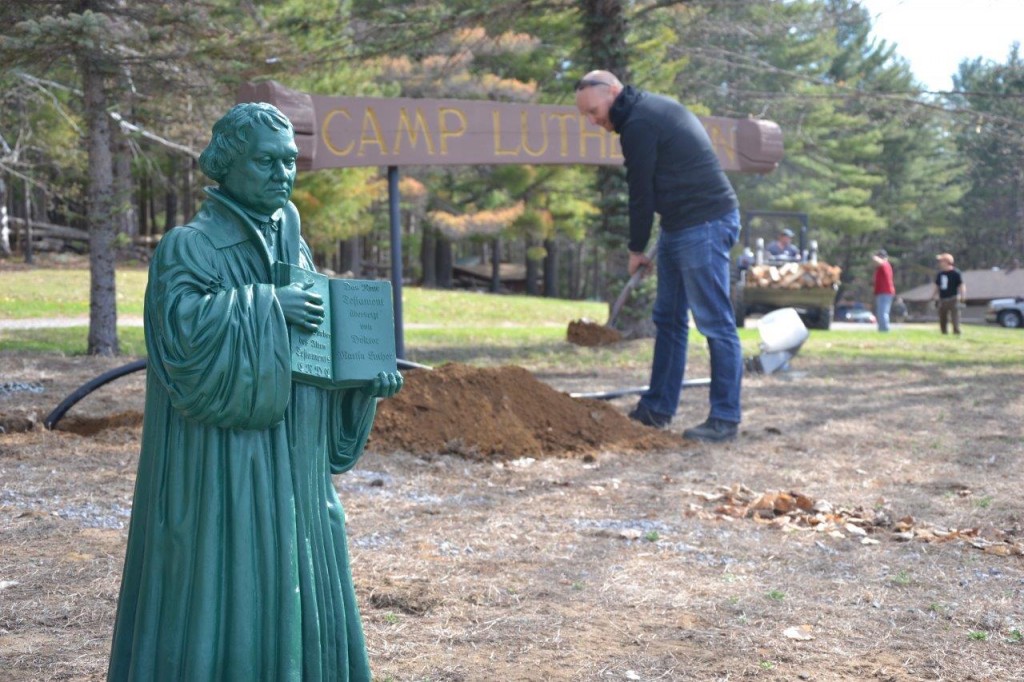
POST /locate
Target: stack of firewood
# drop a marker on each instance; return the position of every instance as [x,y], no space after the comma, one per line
[794,276]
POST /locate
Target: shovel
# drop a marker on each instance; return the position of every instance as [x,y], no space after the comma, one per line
[587,333]
[652,252]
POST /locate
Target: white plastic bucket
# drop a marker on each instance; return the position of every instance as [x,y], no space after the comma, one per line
[781,330]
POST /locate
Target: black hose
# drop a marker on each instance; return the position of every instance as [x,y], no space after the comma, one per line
[88,387]
[118,372]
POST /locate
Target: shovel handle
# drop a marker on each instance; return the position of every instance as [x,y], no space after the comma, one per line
[651,253]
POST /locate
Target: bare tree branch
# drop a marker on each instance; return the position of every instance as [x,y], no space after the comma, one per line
[126,126]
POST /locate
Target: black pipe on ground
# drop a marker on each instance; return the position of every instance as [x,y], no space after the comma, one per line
[88,387]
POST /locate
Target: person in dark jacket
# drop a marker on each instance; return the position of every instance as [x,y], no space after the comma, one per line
[672,170]
[950,292]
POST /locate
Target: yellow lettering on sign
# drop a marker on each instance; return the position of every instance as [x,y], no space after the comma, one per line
[585,135]
[615,148]
[327,138]
[412,131]
[446,132]
[498,151]
[524,135]
[371,124]
[563,132]
[721,141]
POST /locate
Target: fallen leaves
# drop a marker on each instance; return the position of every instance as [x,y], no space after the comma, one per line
[796,512]
[800,633]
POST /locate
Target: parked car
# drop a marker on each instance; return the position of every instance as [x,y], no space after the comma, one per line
[854,312]
[864,316]
[844,310]
[1008,312]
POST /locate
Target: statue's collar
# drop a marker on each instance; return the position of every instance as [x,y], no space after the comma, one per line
[247,227]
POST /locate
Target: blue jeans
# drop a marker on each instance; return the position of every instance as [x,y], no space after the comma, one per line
[693,276]
[883,304]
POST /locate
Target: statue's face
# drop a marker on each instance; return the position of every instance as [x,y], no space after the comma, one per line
[262,178]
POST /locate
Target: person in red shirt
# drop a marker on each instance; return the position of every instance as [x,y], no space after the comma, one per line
[885,290]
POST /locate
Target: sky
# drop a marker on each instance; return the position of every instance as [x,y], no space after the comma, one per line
[934,36]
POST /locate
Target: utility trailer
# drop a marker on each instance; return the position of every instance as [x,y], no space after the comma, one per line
[764,283]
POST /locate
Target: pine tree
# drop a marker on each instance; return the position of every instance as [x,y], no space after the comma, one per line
[992,232]
[106,46]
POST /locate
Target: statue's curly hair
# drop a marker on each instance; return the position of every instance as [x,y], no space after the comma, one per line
[231,135]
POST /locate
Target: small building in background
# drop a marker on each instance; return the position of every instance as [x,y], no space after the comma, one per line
[982,287]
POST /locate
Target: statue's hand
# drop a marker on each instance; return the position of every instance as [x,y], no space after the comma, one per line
[385,384]
[301,308]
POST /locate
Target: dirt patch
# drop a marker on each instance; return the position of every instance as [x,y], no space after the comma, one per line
[503,413]
[863,527]
[587,333]
[480,413]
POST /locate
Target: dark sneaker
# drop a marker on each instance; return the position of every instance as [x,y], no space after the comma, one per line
[712,431]
[648,417]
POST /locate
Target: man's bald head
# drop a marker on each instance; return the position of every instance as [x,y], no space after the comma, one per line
[595,93]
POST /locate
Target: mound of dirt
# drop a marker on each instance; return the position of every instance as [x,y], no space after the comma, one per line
[496,413]
[587,333]
[502,413]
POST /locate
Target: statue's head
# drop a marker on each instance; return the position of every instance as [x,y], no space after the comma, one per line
[252,156]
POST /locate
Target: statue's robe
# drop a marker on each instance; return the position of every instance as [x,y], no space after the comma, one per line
[237,564]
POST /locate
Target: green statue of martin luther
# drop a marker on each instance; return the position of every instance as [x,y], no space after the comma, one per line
[237,562]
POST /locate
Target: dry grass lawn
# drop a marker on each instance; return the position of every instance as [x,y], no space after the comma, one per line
[867,525]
